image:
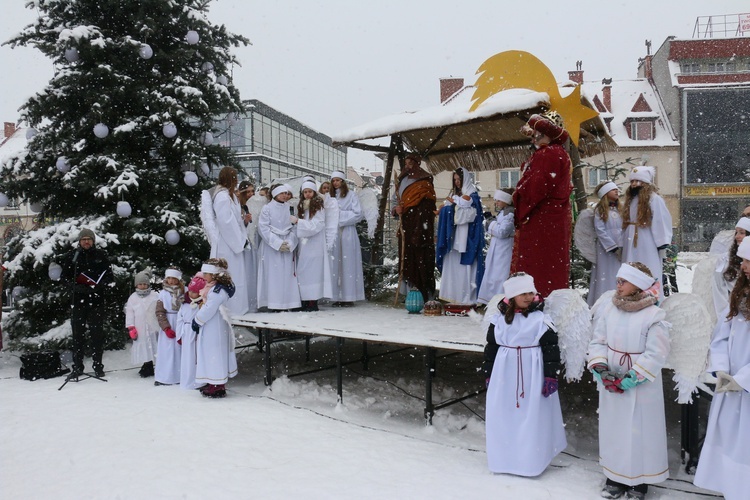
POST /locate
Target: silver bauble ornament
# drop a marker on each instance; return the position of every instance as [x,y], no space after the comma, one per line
[207,67]
[169,130]
[191,178]
[146,52]
[124,209]
[36,207]
[192,37]
[54,271]
[208,138]
[172,237]
[221,79]
[30,133]
[72,55]
[101,130]
[62,164]
[3,200]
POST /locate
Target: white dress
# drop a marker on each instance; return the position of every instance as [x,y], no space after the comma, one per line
[498,257]
[724,464]
[347,279]
[720,287]
[604,271]
[140,312]
[313,265]
[168,359]
[458,282]
[216,361]
[277,279]
[658,234]
[524,429]
[230,246]
[632,428]
[250,253]
[186,334]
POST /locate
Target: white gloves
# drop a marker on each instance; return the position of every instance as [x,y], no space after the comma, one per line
[284,247]
[293,219]
[726,383]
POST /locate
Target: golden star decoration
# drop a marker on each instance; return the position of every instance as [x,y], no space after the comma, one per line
[516,69]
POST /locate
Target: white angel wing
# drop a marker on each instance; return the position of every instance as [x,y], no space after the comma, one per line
[208,217]
[254,205]
[368,199]
[490,310]
[572,318]
[690,337]
[722,242]
[332,220]
[702,285]
[584,235]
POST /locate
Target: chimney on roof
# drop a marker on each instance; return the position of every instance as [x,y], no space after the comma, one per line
[449,86]
[607,93]
[9,128]
[577,75]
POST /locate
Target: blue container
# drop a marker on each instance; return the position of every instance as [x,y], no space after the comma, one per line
[414,301]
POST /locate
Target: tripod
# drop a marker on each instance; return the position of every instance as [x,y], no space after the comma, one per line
[75,376]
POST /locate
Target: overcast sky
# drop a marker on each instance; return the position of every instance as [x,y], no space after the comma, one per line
[335,64]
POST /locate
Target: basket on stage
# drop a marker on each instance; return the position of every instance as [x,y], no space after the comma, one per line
[458,309]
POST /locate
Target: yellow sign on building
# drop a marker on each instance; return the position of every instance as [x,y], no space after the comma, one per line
[741,190]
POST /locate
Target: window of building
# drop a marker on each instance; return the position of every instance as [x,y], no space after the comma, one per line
[642,131]
[716,67]
[509,178]
[688,68]
[597,175]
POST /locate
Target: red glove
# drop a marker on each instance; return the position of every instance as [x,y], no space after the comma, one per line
[133,333]
[549,387]
[611,385]
[170,333]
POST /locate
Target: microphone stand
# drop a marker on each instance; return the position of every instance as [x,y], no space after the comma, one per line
[74,376]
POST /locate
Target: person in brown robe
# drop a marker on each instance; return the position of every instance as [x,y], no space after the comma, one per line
[415,205]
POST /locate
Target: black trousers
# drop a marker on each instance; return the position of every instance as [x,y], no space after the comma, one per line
[87,320]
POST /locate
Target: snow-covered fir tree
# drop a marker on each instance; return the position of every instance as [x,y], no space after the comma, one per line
[126,118]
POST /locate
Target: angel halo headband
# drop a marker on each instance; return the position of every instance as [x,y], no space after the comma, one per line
[635,276]
[606,189]
[212,269]
[284,188]
[173,273]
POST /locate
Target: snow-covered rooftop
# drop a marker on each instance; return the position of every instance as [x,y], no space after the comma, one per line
[13,145]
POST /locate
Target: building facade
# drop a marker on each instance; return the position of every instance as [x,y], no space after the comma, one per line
[705,86]
[271,145]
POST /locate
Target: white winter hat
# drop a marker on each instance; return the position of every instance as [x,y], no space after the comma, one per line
[338,174]
[284,188]
[744,223]
[519,284]
[744,249]
[173,273]
[635,276]
[645,174]
[501,195]
[606,189]
[308,185]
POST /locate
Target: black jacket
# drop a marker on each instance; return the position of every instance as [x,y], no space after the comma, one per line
[90,265]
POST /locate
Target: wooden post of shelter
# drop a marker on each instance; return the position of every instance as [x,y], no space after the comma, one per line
[578,185]
[377,247]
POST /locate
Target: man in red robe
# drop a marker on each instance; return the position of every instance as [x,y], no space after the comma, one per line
[543,215]
[415,197]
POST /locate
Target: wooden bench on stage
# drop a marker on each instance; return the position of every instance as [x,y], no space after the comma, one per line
[368,322]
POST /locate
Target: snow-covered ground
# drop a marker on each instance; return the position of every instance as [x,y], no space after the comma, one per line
[128,439]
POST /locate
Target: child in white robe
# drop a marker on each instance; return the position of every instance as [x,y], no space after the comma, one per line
[724,463]
[728,269]
[608,228]
[140,320]
[646,223]
[497,262]
[171,296]
[216,362]
[347,277]
[524,424]
[629,347]
[277,279]
[185,334]
[313,269]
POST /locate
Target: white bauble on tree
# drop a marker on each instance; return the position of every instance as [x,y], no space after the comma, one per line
[207,67]
[124,209]
[146,52]
[30,133]
[18,292]
[54,271]
[208,138]
[3,200]
[36,207]
[101,130]
[192,37]
[221,79]
[172,237]
[169,130]
[72,55]
[62,164]
[191,178]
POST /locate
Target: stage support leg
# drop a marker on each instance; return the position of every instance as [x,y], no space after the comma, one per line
[266,334]
[339,370]
[365,357]
[429,409]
